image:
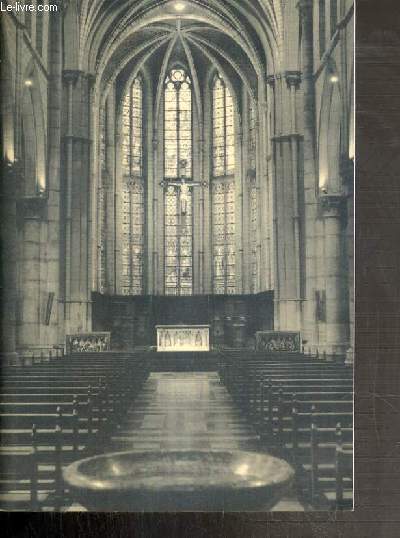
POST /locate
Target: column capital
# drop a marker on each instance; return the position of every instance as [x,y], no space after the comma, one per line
[331,204]
[91,78]
[271,79]
[293,78]
[32,207]
[71,75]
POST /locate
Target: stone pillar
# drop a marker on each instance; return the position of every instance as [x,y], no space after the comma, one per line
[331,211]
[31,212]
[264,179]
[56,325]
[11,177]
[78,200]
[207,193]
[347,173]
[309,325]
[150,185]
[287,186]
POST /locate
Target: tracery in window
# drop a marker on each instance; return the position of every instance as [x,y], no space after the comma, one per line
[178,200]
[223,190]
[223,130]
[178,124]
[178,244]
[133,195]
[102,219]
[254,236]
[253,193]
[224,249]
[132,130]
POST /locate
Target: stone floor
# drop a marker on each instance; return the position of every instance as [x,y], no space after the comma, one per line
[187,411]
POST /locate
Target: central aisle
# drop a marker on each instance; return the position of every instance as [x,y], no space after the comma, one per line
[184,411]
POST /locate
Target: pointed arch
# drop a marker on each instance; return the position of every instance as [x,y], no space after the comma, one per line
[223,134]
[33,136]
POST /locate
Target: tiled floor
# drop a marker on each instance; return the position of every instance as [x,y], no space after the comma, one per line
[187,411]
[183,411]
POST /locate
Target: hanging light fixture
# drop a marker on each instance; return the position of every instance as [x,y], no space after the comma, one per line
[179,6]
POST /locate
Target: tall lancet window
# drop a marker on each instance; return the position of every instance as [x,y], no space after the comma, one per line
[223,190]
[178,197]
[253,194]
[133,190]
[102,209]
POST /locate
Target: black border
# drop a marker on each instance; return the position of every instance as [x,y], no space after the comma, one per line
[377,369]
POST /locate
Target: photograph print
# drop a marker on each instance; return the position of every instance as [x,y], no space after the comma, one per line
[177,235]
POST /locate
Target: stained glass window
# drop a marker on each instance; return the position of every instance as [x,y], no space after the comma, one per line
[102,222]
[102,240]
[103,137]
[132,129]
[178,244]
[223,190]
[224,250]
[254,236]
[253,194]
[252,140]
[133,195]
[178,124]
[223,130]
[178,201]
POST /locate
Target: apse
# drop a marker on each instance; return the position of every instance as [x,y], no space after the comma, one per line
[178,90]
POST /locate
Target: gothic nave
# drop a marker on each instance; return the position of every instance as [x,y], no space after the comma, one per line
[177,238]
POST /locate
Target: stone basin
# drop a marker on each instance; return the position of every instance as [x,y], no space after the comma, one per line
[179,481]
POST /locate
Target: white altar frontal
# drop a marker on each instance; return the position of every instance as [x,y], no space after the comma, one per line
[176,338]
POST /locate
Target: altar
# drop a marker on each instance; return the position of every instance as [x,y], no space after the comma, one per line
[180,338]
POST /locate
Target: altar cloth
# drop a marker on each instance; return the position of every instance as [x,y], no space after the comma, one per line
[179,338]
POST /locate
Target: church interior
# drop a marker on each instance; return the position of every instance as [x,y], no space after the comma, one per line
[177,241]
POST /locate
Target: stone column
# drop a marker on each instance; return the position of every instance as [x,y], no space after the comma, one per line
[70,78]
[11,177]
[78,200]
[347,173]
[309,326]
[149,180]
[266,239]
[31,212]
[287,186]
[56,325]
[331,211]
[207,195]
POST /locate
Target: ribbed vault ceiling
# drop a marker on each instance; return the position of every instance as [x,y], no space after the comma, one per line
[239,37]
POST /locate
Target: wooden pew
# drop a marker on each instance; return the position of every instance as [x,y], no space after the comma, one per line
[68,407]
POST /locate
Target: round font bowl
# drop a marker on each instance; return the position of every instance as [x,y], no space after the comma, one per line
[179,481]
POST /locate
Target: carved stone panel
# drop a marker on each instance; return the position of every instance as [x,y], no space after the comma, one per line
[278,341]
